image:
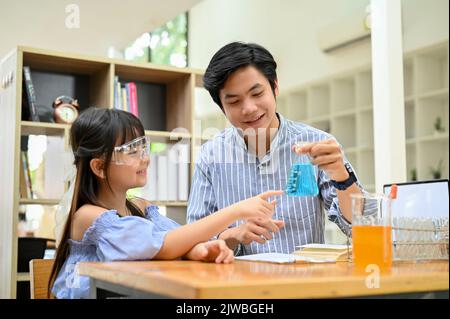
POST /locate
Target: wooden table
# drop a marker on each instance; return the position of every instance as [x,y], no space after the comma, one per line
[244,279]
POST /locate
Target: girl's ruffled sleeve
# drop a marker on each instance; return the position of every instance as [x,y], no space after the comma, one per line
[126,238]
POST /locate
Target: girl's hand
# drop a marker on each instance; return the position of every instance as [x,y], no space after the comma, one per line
[212,251]
[256,207]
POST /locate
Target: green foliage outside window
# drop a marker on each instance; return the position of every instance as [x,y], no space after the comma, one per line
[164,45]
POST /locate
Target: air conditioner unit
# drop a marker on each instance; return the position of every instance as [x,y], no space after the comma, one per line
[351,29]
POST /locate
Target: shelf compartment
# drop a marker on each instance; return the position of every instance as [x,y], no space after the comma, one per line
[48,162]
[319,100]
[410,120]
[297,103]
[429,155]
[343,94]
[429,109]
[323,125]
[366,167]
[58,62]
[411,162]
[432,70]
[408,77]
[364,89]
[365,129]
[160,92]
[344,129]
[87,81]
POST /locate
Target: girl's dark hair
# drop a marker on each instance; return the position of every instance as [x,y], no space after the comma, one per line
[94,134]
[233,56]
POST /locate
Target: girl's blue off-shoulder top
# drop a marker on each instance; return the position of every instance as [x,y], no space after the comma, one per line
[110,238]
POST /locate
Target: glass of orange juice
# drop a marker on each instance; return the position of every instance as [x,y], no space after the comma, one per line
[371,231]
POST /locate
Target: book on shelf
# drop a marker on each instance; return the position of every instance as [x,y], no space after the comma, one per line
[23,188]
[150,189]
[54,167]
[162,182]
[124,99]
[26,189]
[183,171]
[116,93]
[133,99]
[168,173]
[172,173]
[324,252]
[158,185]
[29,107]
[125,96]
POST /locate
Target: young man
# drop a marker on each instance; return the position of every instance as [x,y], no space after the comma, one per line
[256,154]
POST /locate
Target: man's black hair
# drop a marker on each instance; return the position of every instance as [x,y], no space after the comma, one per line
[233,56]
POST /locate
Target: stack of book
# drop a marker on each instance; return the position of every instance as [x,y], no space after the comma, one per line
[125,96]
[324,252]
[310,253]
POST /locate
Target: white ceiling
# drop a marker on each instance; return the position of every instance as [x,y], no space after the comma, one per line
[103,23]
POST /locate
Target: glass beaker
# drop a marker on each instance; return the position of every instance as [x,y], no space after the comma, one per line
[371,231]
[302,180]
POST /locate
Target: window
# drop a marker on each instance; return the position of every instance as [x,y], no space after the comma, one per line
[164,45]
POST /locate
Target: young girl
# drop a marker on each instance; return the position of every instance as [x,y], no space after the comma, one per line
[111,156]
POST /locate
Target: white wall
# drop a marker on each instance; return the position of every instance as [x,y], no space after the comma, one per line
[102,23]
[288,29]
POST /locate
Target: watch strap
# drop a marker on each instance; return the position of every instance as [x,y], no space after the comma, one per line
[343,185]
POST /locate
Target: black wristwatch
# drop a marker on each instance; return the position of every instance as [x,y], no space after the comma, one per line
[342,186]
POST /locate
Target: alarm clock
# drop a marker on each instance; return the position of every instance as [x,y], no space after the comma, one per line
[65,109]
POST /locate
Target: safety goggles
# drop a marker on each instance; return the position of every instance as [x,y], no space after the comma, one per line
[132,152]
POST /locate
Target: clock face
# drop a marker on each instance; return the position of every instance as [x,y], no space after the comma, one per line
[68,114]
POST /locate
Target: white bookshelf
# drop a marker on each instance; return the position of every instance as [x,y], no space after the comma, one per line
[426,76]
[342,106]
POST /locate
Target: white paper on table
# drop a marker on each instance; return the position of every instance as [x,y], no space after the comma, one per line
[280,258]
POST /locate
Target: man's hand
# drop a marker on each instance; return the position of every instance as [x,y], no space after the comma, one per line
[253,230]
[327,155]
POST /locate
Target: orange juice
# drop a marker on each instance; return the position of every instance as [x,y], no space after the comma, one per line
[372,245]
